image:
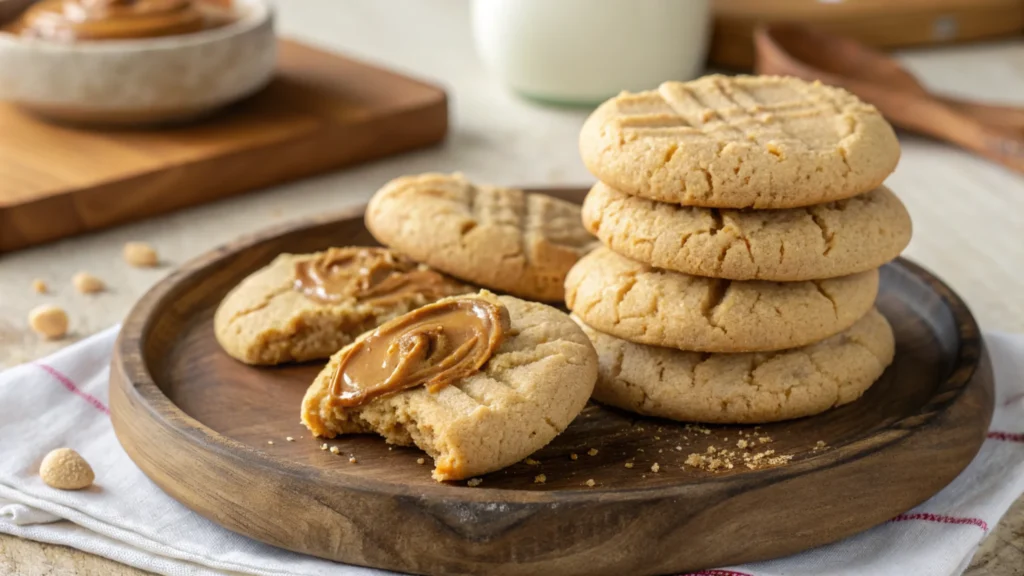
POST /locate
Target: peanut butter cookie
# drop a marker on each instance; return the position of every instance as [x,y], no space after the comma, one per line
[499,238]
[821,241]
[740,142]
[478,382]
[307,306]
[634,301]
[743,388]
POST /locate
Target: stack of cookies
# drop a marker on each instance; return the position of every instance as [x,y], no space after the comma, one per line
[743,222]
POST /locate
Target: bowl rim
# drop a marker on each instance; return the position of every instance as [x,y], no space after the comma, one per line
[252,15]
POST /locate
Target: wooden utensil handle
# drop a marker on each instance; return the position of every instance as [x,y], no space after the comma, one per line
[1011,117]
[935,118]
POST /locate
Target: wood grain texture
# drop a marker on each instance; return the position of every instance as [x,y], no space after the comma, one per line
[321,111]
[199,423]
[879,23]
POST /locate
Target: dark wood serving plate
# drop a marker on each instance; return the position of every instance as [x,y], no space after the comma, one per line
[198,423]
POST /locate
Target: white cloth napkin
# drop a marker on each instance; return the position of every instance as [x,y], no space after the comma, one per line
[62,401]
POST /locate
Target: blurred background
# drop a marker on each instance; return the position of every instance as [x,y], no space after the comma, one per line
[520,78]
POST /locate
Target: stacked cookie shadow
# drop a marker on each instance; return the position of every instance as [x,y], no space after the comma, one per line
[743,222]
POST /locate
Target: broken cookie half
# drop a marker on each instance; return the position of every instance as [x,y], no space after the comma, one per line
[478,382]
[307,306]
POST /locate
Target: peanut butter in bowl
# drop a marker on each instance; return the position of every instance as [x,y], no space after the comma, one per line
[84,20]
[107,62]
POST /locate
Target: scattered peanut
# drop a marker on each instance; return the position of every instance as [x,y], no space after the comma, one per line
[49,321]
[474,482]
[87,283]
[140,255]
[540,479]
[65,469]
[590,483]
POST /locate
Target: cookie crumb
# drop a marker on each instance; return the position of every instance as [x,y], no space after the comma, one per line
[421,461]
[655,468]
[49,321]
[680,448]
[629,464]
[741,444]
[590,482]
[289,439]
[540,479]
[86,283]
[820,445]
[532,462]
[694,460]
[352,460]
[657,437]
[574,456]
[65,469]
[335,450]
[140,255]
[764,439]
[271,442]
[40,287]
[323,446]
[592,452]
[474,482]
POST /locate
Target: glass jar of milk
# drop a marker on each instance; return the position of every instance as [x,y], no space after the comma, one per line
[584,51]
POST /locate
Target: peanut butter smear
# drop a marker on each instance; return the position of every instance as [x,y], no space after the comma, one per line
[71,20]
[373,275]
[432,346]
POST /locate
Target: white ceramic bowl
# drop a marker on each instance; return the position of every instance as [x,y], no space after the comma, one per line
[141,81]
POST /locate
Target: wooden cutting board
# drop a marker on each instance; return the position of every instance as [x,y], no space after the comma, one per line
[322,111]
[211,432]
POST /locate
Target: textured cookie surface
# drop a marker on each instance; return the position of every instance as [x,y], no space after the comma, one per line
[266,320]
[498,238]
[647,305]
[743,388]
[739,142]
[529,391]
[821,241]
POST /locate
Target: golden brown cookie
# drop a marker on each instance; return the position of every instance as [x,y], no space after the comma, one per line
[815,242]
[528,391]
[634,301]
[743,388]
[498,238]
[740,142]
[307,306]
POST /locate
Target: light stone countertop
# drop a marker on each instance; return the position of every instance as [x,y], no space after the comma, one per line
[968,213]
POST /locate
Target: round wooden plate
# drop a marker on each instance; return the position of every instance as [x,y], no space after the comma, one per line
[199,424]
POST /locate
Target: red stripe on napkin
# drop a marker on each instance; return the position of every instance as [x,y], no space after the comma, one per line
[60,377]
[942,519]
[717,573]
[1006,436]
